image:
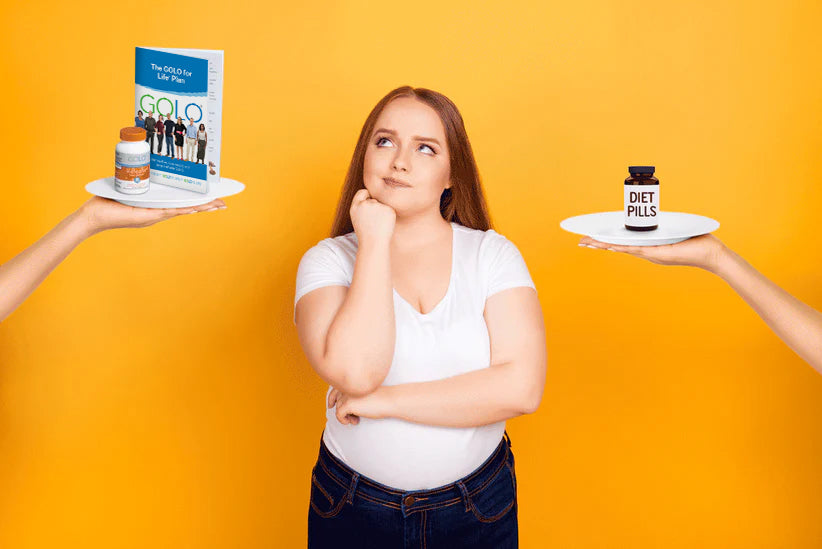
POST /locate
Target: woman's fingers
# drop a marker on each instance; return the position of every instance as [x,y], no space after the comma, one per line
[591,243]
[332,397]
[343,411]
[216,204]
[340,413]
[633,250]
[361,196]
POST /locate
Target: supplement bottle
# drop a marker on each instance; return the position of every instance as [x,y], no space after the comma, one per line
[132,158]
[641,199]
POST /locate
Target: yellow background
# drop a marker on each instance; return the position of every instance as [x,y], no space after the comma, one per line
[153,392]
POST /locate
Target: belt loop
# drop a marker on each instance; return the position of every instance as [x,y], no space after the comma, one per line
[508,438]
[352,488]
[462,488]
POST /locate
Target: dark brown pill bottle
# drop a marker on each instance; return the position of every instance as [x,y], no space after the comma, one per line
[641,199]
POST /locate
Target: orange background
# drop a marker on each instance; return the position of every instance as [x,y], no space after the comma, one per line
[153,392]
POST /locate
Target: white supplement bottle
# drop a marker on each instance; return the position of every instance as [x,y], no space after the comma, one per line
[132,158]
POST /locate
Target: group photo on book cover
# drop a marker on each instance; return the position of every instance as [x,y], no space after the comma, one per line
[183,142]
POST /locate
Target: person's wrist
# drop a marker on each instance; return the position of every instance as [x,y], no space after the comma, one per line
[374,241]
[80,225]
[385,401]
[85,221]
[722,259]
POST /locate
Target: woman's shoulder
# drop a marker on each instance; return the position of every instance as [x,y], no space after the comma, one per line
[485,247]
[480,238]
[344,246]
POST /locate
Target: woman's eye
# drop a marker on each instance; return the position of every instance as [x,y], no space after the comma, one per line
[425,148]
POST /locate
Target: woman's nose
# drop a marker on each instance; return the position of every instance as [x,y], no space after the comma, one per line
[400,161]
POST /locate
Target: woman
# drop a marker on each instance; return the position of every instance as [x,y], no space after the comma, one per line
[202,139]
[427,327]
[179,133]
[794,322]
[160,129]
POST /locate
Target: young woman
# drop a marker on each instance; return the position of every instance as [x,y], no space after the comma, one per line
[179,133]
[202,141]
[426,324]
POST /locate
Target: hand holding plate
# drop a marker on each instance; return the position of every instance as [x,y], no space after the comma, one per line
[700,251]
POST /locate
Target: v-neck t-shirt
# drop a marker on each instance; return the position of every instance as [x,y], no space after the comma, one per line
[449,340]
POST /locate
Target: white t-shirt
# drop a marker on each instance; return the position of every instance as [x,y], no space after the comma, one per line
[449,340]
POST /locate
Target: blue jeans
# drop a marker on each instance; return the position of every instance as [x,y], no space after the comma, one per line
[478,511]
[170,144]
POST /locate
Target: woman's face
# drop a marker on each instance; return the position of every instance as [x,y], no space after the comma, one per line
[406,162]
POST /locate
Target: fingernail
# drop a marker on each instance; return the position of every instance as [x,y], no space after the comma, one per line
[592,247]
[222,207]
[582,245]
[211,209]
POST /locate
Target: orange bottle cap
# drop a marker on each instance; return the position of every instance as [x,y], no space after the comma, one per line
[133,133]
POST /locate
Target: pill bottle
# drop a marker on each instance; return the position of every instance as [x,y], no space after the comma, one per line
[132,158]
[641,199]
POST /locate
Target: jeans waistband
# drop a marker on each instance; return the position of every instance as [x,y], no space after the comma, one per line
[415,500]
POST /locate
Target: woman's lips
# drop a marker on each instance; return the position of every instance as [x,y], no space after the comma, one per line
[394,183]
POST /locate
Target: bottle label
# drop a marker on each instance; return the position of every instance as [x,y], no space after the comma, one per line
[641,205]
[131,170]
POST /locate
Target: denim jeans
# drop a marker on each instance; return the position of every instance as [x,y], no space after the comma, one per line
[170,144]
[477,511]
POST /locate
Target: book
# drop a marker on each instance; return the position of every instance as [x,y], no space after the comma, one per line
[182,89]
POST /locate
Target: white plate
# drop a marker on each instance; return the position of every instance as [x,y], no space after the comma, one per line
[163,196]
[609,227]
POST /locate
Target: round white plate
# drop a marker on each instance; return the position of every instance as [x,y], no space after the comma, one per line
[163,196]
[609,227]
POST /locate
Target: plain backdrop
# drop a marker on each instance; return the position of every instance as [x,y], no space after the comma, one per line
[153,392]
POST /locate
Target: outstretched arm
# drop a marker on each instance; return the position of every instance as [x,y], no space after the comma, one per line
[510,387]
[797,324]
[21,275]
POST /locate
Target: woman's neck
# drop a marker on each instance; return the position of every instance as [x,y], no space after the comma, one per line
[419,230]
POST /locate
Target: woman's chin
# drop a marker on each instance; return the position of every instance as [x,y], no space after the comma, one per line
[395,204]
[383,196]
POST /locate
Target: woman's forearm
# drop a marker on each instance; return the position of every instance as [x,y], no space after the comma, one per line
[797,324]
[360,340]
[20,276]
[472,399]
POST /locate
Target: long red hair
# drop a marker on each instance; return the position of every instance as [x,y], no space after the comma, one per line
[463,203]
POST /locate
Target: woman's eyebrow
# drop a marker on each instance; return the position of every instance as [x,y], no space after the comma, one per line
[415,137]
